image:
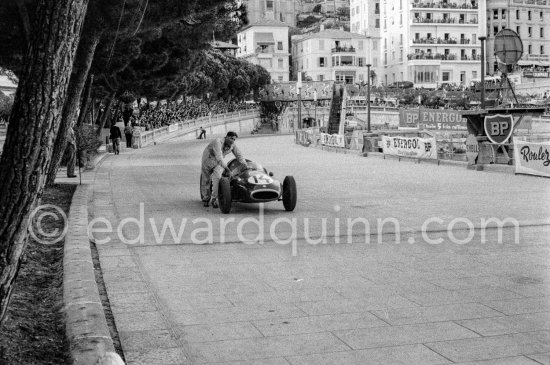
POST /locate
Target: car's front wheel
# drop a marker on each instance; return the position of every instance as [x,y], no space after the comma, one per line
[289,193]
[224,195]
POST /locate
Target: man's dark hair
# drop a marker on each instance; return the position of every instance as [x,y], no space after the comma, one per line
[232,134]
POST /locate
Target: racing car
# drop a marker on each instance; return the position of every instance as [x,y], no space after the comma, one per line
[254,184]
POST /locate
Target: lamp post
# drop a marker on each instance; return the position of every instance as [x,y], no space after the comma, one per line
[299,87]
[482,39]
[368,98]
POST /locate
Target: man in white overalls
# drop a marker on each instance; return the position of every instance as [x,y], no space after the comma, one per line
[213,165]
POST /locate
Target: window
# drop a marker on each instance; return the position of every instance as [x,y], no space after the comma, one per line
[280,46]
[321,61]
[269,5]
[517,14]
[503,14]
[280,63]
[518,30]
[377,8]
[446,76]
[360,45]
[541,32]
[320,77]
[400,19]
[529,15]
[361,61]
[530,49]
[495,14]
[541,49]
[541,16]
[495,29]
[375,45]
[280,78]
[474,74]
[321,44]
[401,38]
[377,23]
[529,31]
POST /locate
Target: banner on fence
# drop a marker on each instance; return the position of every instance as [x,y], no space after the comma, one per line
[532,158]
[432,119]
[333,140]
[410,147]
[172,128]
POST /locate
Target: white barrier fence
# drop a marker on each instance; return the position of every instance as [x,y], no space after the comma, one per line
[242,121]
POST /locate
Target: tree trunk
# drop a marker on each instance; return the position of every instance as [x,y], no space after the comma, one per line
[105,114]
[83,61]
[34,120]
[85,104]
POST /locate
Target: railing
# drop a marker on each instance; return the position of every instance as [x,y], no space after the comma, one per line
[343,49]
[443,5]
[440,41]
[146,138]
[442,57]
[444,21]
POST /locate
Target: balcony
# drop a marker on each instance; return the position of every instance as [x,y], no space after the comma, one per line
[343,50]
[443,21]
[442,57]
[440,41]
[442,5]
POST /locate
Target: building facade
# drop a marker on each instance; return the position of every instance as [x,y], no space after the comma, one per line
[365,19]
[265,43]
[530,19]
[281,10]
[331,55]
[425,41]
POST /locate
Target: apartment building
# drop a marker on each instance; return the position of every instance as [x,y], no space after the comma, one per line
[331,55]
[365,19]
[531,20]
[428,42]
[265,43]
[282,10]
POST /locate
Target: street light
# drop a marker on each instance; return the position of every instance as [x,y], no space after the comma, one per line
[368,98]
[299,87]
[482,39]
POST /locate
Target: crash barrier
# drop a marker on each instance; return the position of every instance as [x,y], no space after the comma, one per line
[242,121]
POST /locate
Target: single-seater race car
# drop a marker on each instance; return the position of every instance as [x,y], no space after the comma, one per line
[254,184]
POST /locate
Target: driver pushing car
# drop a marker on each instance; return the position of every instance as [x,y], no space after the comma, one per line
[213,165]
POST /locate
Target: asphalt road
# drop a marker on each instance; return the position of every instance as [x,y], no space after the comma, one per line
[405,273]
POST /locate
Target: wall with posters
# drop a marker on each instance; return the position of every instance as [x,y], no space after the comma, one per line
[432,119]
[532,158]
[414,147]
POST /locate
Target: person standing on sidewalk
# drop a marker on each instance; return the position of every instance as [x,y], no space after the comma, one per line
[202,133]
[115,136]
[71,151]
[128,132]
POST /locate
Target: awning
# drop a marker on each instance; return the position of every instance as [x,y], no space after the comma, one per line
[264,38]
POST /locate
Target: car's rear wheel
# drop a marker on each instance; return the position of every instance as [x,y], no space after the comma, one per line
[289,193]
[224,195]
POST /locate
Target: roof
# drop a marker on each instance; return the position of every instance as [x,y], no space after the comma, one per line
[223,45]
[331,34]
[266,23]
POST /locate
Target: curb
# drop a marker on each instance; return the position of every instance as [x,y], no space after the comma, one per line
[85,323]
[505,169]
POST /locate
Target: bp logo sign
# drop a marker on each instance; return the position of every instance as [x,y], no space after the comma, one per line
[499,127]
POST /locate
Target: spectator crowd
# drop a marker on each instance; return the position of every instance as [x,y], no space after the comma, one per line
[163,115]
